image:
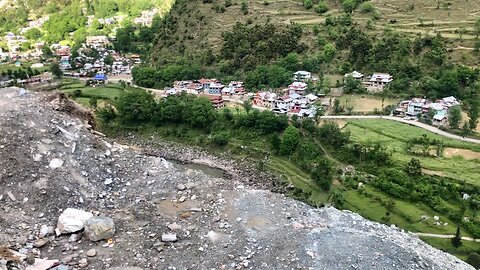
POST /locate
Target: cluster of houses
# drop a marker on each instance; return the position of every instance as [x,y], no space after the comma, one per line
[212,88]
[293,100]
[424,108]
[374,83]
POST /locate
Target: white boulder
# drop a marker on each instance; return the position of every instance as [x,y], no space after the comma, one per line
[72,220]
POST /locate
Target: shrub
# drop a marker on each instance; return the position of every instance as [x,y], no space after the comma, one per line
[308,4]
[474,260]
[106,114]
[321,8]
[77,93]
[221,138]
[367,7]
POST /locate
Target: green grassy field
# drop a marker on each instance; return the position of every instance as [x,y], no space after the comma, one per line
[445,245]
[394,135]
[405,214]
[105,93]
[371,202]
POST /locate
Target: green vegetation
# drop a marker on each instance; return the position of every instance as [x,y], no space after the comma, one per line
[387,185]
[103,95]
[265,53]
[56,71]
[68,19]
[464,252]
[395,136]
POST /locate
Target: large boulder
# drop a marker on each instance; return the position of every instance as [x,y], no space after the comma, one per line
[99,228]
[72,220]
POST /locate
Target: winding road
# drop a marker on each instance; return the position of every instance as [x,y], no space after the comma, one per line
[409,122]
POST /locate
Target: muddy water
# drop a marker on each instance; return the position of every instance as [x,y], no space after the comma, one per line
[213,172]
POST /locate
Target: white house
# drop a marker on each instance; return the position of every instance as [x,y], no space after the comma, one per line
[355,74]
[302,75]
[97,42]
[311,97]
[297,87]
[380,79]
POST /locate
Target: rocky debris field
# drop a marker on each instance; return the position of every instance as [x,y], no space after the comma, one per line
[70,199]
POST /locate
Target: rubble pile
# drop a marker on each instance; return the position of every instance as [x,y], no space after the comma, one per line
[71,199]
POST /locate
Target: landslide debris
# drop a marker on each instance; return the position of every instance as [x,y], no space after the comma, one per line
[145,212]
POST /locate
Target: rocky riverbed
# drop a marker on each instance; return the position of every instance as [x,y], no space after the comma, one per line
[165,216]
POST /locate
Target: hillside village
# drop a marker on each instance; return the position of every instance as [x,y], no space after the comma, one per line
[297,100]
[371,107]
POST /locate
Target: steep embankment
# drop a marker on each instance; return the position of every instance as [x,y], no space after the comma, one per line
[50,161]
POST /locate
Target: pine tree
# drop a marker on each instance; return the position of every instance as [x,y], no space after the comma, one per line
[457,239]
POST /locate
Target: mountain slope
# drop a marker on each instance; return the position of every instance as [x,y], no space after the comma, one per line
[196,26]
[217,222]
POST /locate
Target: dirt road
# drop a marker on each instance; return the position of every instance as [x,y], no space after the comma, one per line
[445,236]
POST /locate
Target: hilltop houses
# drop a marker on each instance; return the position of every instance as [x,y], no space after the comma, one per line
[234,88]
[217,101]
[214,88]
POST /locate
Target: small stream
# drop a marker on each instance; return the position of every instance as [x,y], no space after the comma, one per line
[213,172]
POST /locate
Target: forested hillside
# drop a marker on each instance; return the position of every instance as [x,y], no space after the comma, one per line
[263,42]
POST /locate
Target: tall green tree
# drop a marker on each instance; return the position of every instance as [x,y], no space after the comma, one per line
[454,117]
[135,107]
[457,239]
[247,105]
[352,85]
[33,34]
[244,7]
[473,113]
[322,175]
[56,70]
[290,140]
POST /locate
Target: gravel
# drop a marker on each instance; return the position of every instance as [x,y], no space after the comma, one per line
[218,222]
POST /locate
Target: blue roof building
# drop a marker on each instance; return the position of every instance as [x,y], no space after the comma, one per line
[101,77]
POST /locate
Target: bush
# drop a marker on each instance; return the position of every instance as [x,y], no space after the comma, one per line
[221,138]
[321,8]
[308,4]
[106,114]
[474,260]
[77,93]
[367,7]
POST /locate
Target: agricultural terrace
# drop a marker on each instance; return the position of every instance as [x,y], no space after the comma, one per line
[395,136]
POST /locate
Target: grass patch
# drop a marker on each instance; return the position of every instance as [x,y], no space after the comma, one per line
[394,135]
[405,215]
[462,252]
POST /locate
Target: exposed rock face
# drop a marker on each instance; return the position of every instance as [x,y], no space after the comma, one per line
[217,223]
